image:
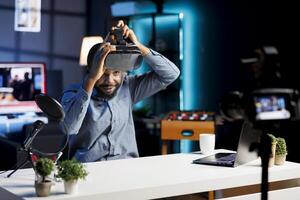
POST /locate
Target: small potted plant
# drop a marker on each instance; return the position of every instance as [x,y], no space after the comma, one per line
[70,171]
[43,168]
[281,151]
[273,149]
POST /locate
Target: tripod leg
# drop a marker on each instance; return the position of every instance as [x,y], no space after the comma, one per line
[28,159]
[18,167]
[265,151]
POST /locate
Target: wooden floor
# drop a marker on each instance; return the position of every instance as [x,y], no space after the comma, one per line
[197,196]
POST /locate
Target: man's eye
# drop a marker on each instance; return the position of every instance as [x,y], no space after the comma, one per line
[116,73]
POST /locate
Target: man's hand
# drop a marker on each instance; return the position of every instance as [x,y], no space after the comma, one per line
[97,69]
[128,33]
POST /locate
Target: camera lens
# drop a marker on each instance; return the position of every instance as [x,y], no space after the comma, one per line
[231,106]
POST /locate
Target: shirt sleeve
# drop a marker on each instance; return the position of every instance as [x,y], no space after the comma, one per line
[75,104]
[163,74]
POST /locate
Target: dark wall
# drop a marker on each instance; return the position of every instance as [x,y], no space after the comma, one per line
[99,14]
[227,30]
[245,26]
[63,25]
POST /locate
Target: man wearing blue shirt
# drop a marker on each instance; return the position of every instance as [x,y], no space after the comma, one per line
[98,111]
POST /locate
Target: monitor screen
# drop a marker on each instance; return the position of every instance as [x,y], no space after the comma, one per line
[271,107]
[19,83]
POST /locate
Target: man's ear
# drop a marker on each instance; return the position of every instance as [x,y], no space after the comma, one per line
[91,55]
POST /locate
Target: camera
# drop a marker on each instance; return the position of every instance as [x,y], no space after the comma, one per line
[267,107]
[274,104]
[268,102]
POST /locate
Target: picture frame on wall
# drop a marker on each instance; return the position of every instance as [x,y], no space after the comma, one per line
[28,15]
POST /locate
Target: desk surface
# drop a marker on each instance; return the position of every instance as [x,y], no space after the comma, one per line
[151,177]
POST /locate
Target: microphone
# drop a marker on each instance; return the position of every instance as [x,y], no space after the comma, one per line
[37,127]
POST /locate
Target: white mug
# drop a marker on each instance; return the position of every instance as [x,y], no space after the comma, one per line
[207,143]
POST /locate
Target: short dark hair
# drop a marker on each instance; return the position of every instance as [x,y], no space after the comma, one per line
[91,55]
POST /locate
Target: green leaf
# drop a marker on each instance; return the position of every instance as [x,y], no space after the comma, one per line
[281,146]
[44,167]
[71,170]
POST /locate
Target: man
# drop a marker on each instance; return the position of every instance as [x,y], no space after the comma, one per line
[15,84]
[26,88]
[99,110]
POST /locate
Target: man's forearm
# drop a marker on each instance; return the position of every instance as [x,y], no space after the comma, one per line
[144,50]
[166,70]
[164,73]
[75,106]
[88,85]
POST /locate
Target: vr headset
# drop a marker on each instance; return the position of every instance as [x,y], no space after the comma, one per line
[127,56]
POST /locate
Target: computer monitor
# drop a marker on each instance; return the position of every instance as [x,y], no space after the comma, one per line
[19,83]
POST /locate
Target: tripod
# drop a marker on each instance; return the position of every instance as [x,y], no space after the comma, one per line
[265,151]
[37,127]
[28,159]
[54,111]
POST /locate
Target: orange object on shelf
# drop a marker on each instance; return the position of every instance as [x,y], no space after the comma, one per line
[177,126]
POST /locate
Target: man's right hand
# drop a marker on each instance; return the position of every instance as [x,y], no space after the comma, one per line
[97,69]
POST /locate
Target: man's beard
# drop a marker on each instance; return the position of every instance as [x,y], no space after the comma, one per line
[107,96]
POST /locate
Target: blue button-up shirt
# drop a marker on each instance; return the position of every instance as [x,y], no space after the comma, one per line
[102,129]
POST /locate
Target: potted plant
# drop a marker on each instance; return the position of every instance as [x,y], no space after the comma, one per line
[281,151]
[70,171]
[43,168]
[273,149]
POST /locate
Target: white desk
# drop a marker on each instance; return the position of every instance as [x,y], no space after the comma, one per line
[149,178]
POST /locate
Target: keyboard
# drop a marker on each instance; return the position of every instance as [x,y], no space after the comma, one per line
[219,159]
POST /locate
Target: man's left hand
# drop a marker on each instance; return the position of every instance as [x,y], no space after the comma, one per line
[128,33]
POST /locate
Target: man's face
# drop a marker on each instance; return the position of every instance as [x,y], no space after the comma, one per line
[109,82]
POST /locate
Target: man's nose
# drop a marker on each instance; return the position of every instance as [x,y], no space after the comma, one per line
[109,79]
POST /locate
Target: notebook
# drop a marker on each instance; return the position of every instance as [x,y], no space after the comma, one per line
[248,136]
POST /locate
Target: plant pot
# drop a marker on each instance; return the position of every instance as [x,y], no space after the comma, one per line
[272,156]
[42,189]
[280,159]
[71,186]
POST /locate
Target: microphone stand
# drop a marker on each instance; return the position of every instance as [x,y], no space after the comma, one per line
[38,125]
[55,111]
[265,151]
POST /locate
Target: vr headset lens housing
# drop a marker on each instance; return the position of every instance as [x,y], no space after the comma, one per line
[125,58]
[123,61]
